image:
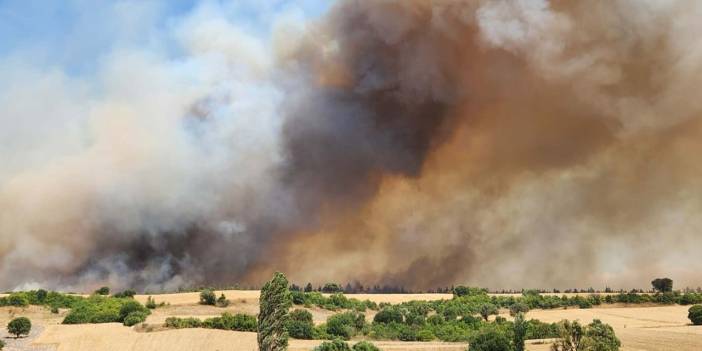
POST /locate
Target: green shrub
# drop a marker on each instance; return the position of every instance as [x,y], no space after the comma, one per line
[2,344]
[518,307]
[150,303]
[54,310]
[129,293]
[207,297]
[103,291]
[228,321]
[600,337]
[695,314]
[180,323]
[388,315]
[17,300]
[334,345]
[490,339]
[486,310]
[345,325]
[222,301]
[364,346]
[19,326]
[131,306]
[300,324]
[134,318]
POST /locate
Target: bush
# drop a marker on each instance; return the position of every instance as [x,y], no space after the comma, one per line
[17,300]
[129,293]
[228,321]
[388,315]
[95,309]
[180,323]
[334,345]
[2,344]
[103,291]
[222,301]
[300,325]
[54,310]
[364,346]
[134,318]
[600,337]
[345,325]
[695,314]
[207,297]
[130,307]
[150,303]
[19,326]
[490,339]
[517,308]
[486,310]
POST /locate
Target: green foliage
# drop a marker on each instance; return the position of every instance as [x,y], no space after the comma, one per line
[19,326]
[275,301]
[695,314]
[486,310]
[332,288]
[103,291]
[102,309]
[518,307]
[364,346]
[345,325]
[333,303]
[17,300]
[150,303]
[600,337]
[490,339]
[54,310]
[129,293]
[662,284]
[2,344]
[222,301]
[390,314]
[300,325]
[596,336]
[207,297]
[540,330]
[520,327]
[468,291]
[334,345]
[134,318]
[181,323]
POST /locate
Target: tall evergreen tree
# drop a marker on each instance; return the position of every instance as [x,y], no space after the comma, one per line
[273,316]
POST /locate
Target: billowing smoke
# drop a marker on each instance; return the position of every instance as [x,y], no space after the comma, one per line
[505,143]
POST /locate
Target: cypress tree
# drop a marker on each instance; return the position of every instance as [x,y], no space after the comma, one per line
[273,316]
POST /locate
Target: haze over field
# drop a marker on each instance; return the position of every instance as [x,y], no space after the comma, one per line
[506,144]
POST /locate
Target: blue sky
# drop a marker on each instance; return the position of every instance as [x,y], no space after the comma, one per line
[74,34]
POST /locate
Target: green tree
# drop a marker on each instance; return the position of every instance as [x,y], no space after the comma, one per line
[489,339]
[486,310]
[17,300]
[300,325]
[207,297]
[103,291]
[520,330]
[600,337]
[345,325]
[308,287]
[132,306]
[570,335]
[273,314]
[150,303]
[518,307]
[19,326]
[662,284]
[695,314]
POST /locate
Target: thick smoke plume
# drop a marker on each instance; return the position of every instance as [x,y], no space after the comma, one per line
[506,144]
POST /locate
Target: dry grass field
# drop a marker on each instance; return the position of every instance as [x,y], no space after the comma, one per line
[639,328]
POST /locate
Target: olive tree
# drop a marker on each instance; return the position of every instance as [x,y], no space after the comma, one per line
[273,316]
[662,284]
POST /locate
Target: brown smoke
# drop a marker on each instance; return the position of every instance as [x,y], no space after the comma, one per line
[499,143]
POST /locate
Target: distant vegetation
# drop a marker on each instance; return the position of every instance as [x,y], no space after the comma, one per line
[228,321]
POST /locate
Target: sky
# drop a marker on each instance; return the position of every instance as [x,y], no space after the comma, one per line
[74,34]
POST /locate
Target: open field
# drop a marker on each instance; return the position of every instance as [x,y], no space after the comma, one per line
[639,328]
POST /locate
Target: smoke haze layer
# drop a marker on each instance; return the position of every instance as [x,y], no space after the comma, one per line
[506,144]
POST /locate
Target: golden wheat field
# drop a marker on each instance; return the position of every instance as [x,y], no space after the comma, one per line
[639,328]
